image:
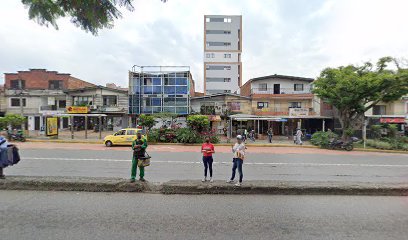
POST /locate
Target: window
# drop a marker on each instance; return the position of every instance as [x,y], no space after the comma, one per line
[131,132]
[295,105]
[55,84]
[379,110]
[298,87]
[227,20]
[208,55]
[15,102]
[234,106]
[181,81]
[147,81]
[218,44]
[110,100]
[217,67]
[83,100]
[17,84]
[261,105]
[227,91]
[227,55]
[217,32]
[62,103]
[121,132]
[263,87]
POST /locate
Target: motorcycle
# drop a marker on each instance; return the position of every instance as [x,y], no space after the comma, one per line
[339,144]
[17,137]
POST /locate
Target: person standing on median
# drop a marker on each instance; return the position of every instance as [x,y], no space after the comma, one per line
[207,149]
[139,146]
[239,154]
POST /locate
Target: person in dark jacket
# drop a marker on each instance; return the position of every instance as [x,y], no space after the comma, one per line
[139,146]
[3,155]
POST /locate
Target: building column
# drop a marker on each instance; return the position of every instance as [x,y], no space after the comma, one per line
[324,125]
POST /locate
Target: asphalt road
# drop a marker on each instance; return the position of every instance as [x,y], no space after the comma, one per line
[181,163]
[70,215]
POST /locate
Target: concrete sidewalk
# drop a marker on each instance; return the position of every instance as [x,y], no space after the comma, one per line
[197,187]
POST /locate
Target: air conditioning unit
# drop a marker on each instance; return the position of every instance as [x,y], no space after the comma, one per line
[93,107]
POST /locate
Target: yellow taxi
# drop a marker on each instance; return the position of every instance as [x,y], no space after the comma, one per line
[122,137]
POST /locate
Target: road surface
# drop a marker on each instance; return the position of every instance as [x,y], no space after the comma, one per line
[184,162]
[70,215]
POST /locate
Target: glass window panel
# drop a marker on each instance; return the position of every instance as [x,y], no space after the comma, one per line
[169,102]
[181,102]
[181,90]
[147,110]
[156,81]
[169,109]
[181,110]
[148,90]
[157,90]
[169,90]
[181,81]
[156,101]
[156,109]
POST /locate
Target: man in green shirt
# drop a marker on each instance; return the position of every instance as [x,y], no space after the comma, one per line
[139,146]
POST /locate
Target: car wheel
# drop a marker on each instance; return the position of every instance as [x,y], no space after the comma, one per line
[108,144]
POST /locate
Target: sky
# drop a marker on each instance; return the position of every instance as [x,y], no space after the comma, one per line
[288,37]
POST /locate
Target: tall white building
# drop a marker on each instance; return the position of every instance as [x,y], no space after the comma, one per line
[222,54]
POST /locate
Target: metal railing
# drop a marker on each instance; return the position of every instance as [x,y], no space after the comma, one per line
[305,90]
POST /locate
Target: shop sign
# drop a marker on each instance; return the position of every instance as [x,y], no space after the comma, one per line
[298,112]
[51,126]
[73,109]
[392,120]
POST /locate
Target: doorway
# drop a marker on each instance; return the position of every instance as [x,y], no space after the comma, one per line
[276,88]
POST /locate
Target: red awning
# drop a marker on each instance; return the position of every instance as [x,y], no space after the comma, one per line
[392,120]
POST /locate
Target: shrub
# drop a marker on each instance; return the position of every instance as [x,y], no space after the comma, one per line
[392,130]
[322,139]
[376,131]
[379,144]
[154,135]
[186,135]
[198,123]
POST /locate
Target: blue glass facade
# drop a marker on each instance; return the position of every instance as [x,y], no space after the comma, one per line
[151,93]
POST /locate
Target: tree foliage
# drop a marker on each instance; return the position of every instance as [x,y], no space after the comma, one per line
[198,123]
[147,121]
[13,120]
[90,15]
[355,89]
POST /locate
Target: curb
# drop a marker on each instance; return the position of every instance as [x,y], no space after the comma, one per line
[196,187]
[65,141]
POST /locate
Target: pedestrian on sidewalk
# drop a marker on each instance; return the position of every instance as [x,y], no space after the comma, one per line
[270,135]
[139,146]
[207,149]
[239,154]
[299,135]
[3,156]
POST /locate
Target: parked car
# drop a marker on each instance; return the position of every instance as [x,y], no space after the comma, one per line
[122,137]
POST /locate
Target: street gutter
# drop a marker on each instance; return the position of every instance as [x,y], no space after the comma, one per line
[88,184]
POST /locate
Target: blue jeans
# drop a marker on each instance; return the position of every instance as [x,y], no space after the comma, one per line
[237,163]
[208,161]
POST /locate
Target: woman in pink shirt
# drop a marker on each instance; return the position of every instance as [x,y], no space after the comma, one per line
[207,149]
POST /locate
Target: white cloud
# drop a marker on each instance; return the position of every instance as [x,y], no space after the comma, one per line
[286,37]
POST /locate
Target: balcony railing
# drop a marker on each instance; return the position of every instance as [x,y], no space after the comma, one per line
[305,90]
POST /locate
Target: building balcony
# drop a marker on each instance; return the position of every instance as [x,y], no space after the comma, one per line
[287,93]
[285,112]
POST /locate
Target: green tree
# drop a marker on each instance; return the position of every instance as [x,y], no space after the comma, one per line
[147,121]
[90,15]
[198,123]
[15,120]
[355,89]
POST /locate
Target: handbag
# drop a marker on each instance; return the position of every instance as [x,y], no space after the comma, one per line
[144,161]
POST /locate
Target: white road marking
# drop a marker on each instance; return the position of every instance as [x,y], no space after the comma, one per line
[229,162]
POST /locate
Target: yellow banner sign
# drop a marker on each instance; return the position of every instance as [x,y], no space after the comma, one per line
[73,109]
[51,126]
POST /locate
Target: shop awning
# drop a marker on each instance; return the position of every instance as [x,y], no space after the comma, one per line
[392,120]
[246,117]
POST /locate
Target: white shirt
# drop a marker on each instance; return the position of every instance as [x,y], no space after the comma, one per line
[239,149]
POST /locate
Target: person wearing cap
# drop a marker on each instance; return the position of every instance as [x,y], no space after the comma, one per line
[239,154]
